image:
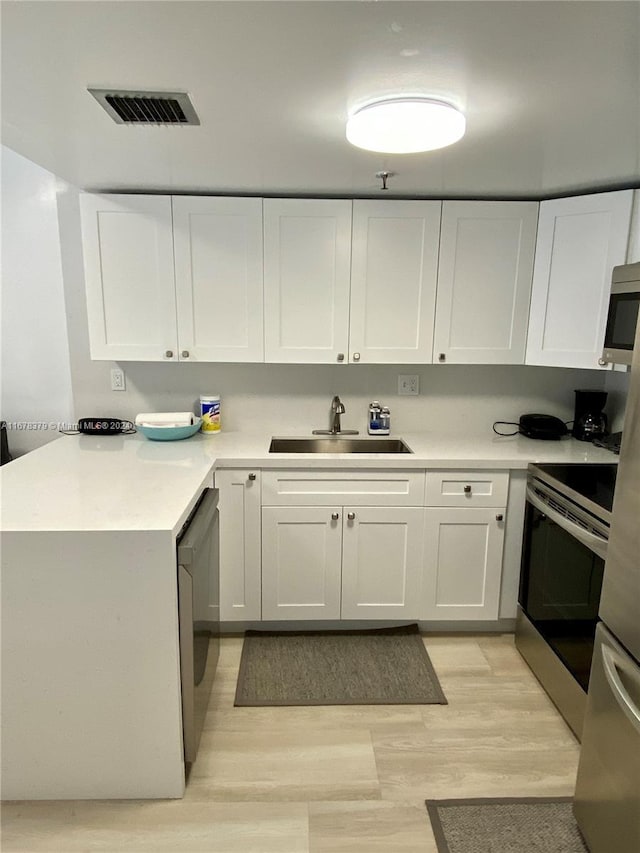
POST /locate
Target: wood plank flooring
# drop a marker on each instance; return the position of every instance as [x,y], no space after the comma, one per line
[333,780]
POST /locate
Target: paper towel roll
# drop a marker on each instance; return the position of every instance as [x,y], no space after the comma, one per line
[165,418]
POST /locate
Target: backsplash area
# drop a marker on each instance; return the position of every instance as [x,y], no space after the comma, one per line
[286,398]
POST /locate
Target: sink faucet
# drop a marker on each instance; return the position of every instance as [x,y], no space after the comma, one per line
[337,409]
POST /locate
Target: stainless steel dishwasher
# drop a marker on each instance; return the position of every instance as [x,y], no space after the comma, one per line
[199,615]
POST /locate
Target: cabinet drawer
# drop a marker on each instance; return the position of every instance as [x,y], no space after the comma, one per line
[355,488]
[467,488]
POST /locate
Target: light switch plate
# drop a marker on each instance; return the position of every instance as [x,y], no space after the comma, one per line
[408,385]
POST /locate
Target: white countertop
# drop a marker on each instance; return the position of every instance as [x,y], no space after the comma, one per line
[127,483]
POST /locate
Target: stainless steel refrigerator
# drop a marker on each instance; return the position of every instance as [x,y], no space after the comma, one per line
[607,799]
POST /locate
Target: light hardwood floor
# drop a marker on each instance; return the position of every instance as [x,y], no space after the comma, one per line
[333,779]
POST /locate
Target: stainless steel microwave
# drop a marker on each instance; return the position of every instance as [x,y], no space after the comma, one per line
[622,317]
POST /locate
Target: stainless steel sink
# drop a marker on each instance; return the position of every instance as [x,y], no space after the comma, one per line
[338,444]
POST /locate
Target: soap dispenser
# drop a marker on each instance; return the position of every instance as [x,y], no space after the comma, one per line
[375,411]
[385,421]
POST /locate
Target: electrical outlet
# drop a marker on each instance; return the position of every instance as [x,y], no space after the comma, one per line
[117,379]
[408,385]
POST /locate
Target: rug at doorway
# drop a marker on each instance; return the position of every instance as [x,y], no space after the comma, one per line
[505,825]
[388,666]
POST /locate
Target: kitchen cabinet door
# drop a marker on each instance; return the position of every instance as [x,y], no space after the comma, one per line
[462,563]
[484,281]
[307,261]
[393,281]
[301,559]
[218,256]
[382,562]
[579,242]
[128,260]
[240,554]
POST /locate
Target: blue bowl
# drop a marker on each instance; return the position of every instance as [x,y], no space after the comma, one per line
[168,433]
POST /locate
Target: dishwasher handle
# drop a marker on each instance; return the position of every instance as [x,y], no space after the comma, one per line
[197,527]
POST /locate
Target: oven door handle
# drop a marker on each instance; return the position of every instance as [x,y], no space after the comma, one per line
[597,544]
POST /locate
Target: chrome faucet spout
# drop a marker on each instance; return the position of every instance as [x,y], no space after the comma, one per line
[337,409]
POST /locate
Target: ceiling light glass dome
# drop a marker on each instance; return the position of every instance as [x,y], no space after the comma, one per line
[405,125]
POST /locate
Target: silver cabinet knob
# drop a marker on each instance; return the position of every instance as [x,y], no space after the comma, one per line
[168,353]
[351,516]
[602,362]
[252,476]
[499,517]
[467,490]
[356,356]
[340,356]
[442,357]
[184,353]
[334,516]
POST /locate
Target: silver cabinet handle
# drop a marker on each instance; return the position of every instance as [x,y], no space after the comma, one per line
[184,353]
[351,516]
[252,476]
[442,357]
[340,356]
[168,353]
[602,362]
[467,490]
[356,356]
[334,516]
[499,517]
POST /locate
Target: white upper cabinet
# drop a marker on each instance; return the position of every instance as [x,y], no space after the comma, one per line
[484,281]
[580,240]
[393,281]
[218,262]
[128,259]
[307,259]
[633,252]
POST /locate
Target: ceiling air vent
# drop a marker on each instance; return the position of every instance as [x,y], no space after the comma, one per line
[134,107]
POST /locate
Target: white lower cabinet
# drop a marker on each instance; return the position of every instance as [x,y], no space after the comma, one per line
[328,545]
[381,562]
[301,552]
[240,551]
[335,562]
[463,563]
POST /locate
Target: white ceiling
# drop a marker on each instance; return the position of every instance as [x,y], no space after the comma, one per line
[551,91]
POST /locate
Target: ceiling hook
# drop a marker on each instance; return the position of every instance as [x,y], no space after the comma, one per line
[384,177]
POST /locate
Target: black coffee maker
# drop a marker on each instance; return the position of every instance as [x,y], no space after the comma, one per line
[589,421]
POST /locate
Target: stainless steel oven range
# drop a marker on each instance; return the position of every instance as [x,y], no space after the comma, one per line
[567,520]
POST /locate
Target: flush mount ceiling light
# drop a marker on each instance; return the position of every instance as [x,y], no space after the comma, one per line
[405,125]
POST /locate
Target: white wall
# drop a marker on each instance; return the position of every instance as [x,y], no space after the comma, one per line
[36,376]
